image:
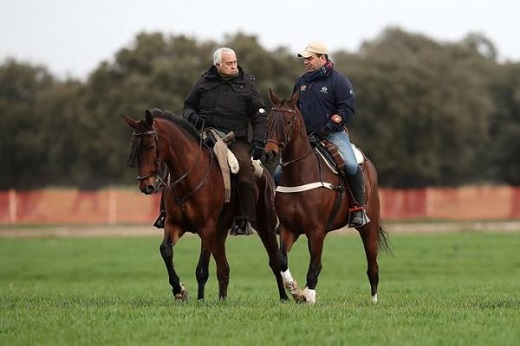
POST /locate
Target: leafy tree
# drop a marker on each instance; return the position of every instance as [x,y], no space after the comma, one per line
[501,157]
[22,154]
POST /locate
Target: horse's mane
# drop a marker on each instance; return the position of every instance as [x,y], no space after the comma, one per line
[177,120]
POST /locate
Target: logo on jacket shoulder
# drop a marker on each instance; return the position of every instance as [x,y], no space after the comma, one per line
[324,90]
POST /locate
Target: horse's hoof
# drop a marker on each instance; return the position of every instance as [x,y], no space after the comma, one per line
[309,295]
[299,298]
[182,295]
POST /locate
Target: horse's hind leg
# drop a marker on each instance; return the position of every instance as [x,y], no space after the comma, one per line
[202,270]
[219,254]
[368,234]
[166,249]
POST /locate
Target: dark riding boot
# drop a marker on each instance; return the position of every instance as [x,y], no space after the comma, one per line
[246,206]
[159,223]
[358,215]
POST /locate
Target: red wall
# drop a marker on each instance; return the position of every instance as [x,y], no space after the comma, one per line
[129,206]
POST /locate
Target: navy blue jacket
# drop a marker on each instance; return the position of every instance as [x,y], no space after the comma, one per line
[323,97]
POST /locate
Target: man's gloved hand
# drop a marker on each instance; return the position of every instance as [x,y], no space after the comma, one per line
[327,129]
[257,150]
[199,121]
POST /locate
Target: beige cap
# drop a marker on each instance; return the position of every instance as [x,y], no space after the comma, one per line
[313,48]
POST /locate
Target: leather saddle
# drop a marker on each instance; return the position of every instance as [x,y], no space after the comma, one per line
[330,154]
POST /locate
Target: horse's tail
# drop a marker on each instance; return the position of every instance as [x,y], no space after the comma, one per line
[383,241]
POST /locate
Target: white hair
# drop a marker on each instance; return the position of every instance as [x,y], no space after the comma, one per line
[217,56]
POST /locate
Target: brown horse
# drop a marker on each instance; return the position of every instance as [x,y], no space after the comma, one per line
[313,200]
[194,197]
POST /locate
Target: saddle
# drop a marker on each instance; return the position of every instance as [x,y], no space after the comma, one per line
[332,158]
[219,141]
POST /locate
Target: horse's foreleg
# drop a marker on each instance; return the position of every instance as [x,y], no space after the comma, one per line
[219,254]
[315,245]
[166,249]
[287,240]
[368,234]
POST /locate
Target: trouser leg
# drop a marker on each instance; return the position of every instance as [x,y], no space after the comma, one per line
[246,209]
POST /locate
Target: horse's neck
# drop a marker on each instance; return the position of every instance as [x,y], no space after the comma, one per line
[183,154]
[300,160]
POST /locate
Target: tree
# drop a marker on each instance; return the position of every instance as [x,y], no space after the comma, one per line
[501,157]
[22,153]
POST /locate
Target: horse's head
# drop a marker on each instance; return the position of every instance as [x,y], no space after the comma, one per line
[283,125]
[145,152]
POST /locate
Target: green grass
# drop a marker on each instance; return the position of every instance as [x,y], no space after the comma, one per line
[436,289]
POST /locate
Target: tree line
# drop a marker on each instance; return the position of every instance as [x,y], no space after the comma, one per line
[429,113]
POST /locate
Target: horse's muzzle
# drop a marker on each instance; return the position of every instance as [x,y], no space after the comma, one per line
[271,151]
[148,189]
[148,186]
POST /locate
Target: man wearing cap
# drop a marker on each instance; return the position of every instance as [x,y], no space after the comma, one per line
[326,101]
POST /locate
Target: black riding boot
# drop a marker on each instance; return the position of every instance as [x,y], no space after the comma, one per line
[358,216]
[159,223]
[246,210]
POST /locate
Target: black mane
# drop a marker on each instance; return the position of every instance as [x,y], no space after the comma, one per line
[177,120]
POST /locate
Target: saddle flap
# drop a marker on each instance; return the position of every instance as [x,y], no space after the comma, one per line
[331,154]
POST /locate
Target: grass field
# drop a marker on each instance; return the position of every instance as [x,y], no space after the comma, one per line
[436,289]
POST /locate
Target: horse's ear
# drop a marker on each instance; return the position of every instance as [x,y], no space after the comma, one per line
[274,99]
[294,99]
[148,117]
[131,122]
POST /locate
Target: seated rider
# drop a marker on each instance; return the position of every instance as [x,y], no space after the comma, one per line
[226,98]
[326,101]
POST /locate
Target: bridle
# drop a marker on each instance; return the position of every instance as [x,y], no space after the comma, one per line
[277,123]
[287,133]
[136,145]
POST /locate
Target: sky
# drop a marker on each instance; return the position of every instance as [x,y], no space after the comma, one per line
[72,37]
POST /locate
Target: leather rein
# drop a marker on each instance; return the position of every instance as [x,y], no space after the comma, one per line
[157,172]
[287,135]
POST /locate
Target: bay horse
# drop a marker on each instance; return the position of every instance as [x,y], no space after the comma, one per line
[194,198]
[312,199]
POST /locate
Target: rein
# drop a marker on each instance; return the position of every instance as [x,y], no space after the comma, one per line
[287,137]
[199,185]
[132,160]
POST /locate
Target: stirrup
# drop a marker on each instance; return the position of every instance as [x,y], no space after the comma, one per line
[241,227]
[159,223]
[357,217]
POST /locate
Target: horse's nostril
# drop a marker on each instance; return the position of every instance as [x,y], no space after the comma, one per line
[149,189]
